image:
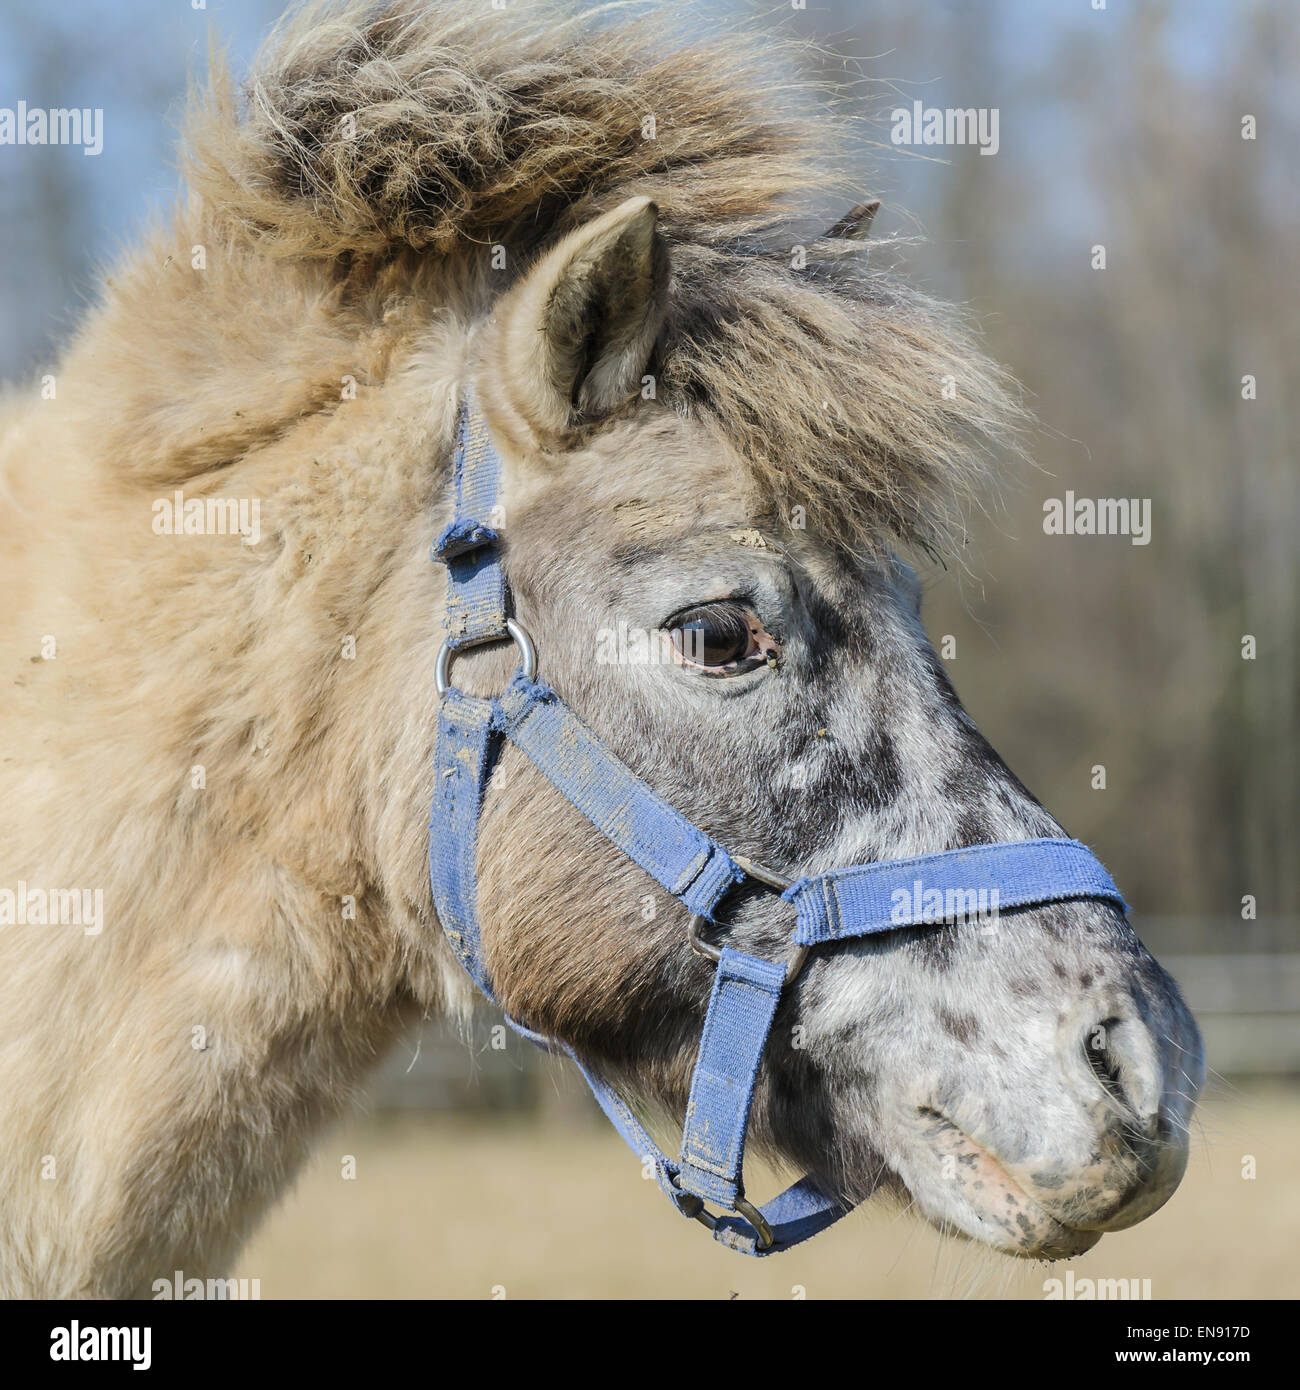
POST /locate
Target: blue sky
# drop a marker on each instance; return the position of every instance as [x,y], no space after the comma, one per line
[65,213]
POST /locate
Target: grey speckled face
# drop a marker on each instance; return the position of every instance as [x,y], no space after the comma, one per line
[1026,1076]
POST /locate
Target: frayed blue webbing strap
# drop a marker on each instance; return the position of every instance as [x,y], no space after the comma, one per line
[799,1213]
[834,906]
[677,855]
[976,881]
[460,770]
[746,991]
[687,863]
[476,583]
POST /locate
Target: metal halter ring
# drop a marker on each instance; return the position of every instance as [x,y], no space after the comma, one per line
[773,880]
[527,654]
[766,1237]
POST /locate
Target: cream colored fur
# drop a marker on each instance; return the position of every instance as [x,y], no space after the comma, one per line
[233,741]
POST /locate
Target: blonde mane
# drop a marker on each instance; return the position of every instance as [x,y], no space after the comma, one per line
[380,136]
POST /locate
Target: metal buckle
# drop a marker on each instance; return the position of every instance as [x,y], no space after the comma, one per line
[527,654]
[714,953]
[700,1213]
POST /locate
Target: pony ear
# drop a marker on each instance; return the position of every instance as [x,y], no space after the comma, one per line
[578,330]
[855,225]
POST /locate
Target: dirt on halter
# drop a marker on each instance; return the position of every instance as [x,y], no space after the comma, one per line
[378,137]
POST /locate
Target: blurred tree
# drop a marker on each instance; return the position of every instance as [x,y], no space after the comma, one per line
[1120,127]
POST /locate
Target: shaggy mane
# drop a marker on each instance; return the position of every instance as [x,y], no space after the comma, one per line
[382,130]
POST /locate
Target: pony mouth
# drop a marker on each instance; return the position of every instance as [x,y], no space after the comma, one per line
[967,1189]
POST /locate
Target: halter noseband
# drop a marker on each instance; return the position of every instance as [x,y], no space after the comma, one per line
[833,906]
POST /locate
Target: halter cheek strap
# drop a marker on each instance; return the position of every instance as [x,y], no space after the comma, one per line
[842,904]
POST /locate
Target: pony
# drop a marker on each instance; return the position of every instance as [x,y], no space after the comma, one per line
[222,623]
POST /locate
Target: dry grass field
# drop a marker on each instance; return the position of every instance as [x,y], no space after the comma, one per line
[448,1207]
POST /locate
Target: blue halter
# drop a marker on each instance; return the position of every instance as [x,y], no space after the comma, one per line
[834,906]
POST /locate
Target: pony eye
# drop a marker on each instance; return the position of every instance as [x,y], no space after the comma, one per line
[720,638]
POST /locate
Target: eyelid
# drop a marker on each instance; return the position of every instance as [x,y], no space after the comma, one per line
[761,647]
[741,600]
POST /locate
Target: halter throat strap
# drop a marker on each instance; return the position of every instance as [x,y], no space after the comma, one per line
[845,903]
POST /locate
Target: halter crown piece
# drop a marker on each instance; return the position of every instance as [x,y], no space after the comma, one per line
[834,906]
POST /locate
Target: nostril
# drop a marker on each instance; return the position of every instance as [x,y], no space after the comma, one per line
[1105,1058]
[1126,1062]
